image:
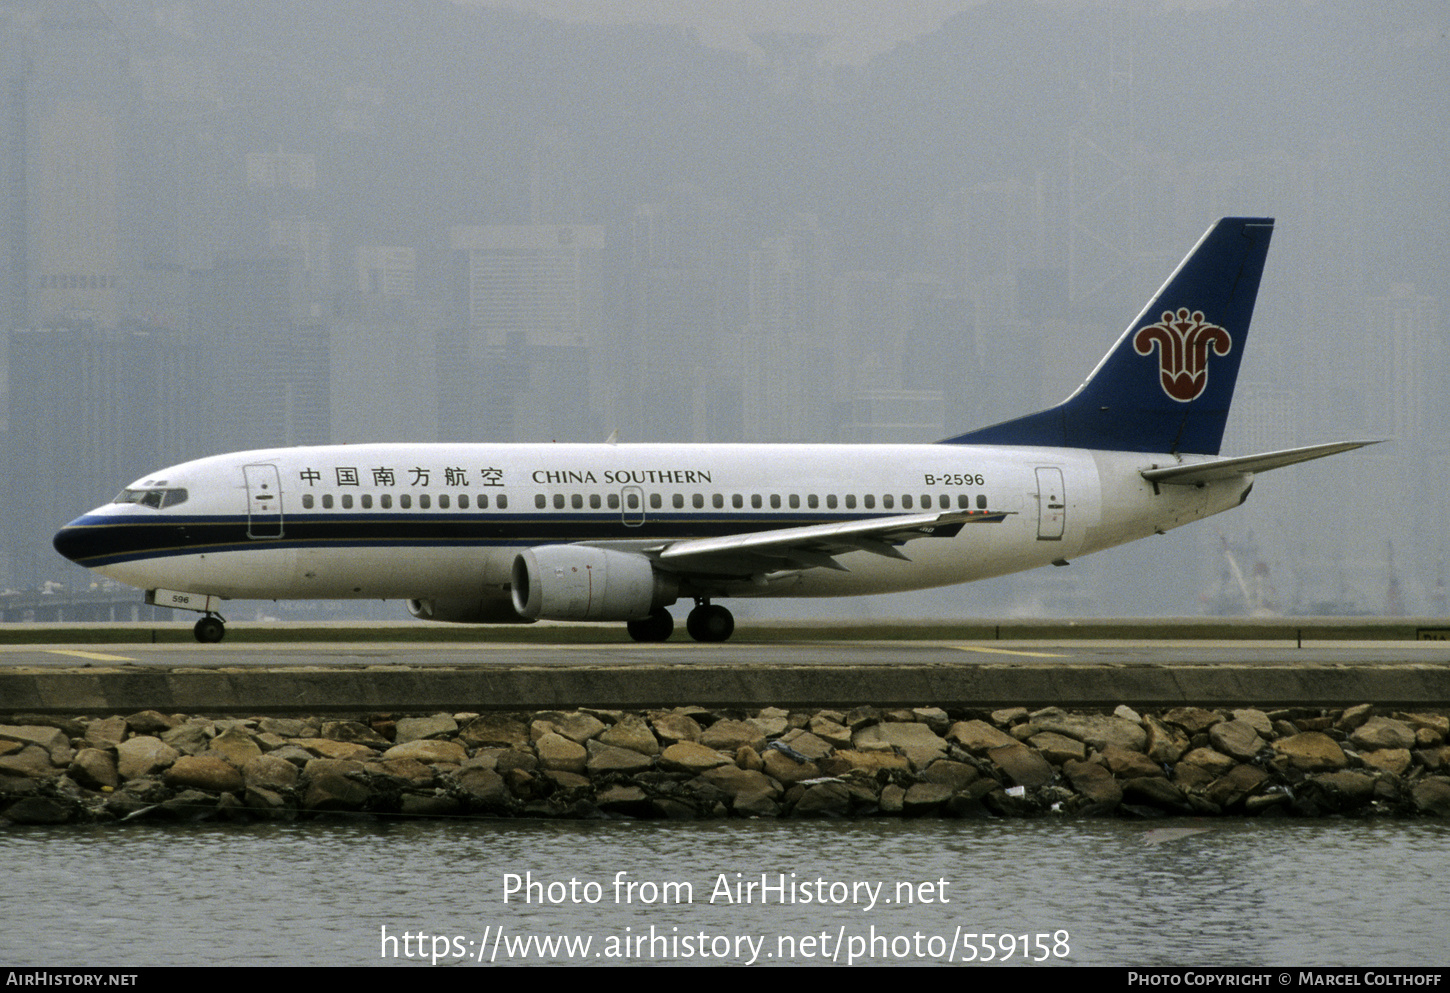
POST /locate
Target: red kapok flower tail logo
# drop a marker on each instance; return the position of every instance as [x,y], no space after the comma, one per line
[1183,341]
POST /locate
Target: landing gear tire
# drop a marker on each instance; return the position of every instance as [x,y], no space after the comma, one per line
[655,627]
[710,622]
[209,630]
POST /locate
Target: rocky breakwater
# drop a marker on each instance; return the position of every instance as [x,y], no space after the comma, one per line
[692,763]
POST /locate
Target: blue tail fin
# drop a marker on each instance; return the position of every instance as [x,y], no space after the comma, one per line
[1167,384]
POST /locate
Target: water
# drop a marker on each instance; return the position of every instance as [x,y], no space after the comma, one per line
[1232,892]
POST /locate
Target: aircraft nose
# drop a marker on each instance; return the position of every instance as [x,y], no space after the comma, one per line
[74,542]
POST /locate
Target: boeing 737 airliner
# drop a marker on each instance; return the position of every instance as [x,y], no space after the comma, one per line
[481,533]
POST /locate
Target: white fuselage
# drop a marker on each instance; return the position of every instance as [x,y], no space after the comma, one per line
[447,520]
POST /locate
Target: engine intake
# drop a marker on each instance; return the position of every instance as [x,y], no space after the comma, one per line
[579,583]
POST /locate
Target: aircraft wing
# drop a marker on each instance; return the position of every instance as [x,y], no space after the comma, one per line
[813,546]
[1206,472]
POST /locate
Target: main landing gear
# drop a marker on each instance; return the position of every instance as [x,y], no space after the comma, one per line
[707,622]
[210,629]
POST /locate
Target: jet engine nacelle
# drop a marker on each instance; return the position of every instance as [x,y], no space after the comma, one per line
[579,583]
[468,610]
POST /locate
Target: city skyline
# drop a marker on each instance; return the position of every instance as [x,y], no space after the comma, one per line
[490,225]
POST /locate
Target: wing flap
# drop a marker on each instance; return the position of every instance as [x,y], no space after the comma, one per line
[815,545]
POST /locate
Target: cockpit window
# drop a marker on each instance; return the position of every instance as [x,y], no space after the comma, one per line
[154,498]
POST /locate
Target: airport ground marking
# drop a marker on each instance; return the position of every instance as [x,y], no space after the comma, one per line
[1007,651]
[93,656]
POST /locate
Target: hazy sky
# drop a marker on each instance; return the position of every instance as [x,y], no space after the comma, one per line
[857,29]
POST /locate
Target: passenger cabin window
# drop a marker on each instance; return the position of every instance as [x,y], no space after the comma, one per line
[679,501]
[813,501]
[577,501]
[541,501]
[981,501]
[699,500]
[755,500]
[887,502]
[405,500]
[718,501]
[594,501]
[906,502]
[386,500]
[795,502]
[614,501]
[503,501]
[850,501]
[737,501]
[367,501]
[869,501]
[443,501]
[655,501]
[307,501]
[830,501]
[775,501]
[463,501]
[327,501]
[347,501]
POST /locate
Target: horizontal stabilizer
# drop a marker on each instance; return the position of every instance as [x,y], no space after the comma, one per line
[1207,472]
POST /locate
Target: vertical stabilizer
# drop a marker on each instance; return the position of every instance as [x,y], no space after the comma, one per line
[1167,384]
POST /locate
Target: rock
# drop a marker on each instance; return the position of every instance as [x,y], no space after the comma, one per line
[1237,738]
[1312,751]
[204,772]
[483,786]
[978,736]
[1353,717]
[1156,792]
[957,775]
[52,740]
[925,798]
[236,746]
[1340,791]
[675,728]
[150,722]
[1214,761]
[823,800]
[1094,782]
[692,757]
[787,770]
[1257,719]
[727,736]
[40,810]
[1392,760]
[807,744]
[1383,732]
[419,728]
[1058,748]
[561,753]
[431,752]
[850,760]
[1166,744]
[1431,795]
[143,756]
[1126,764]
[330,748]
[1094,729]
[31,761]
[916,741]
[1021,765]
[1240,782]
[94,768]
[832,732]
[1194,720]
[353,733]
[632,733]
[495,731]
[610,758]
[271,773]
[287,727]
[106,732]
[578,727]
